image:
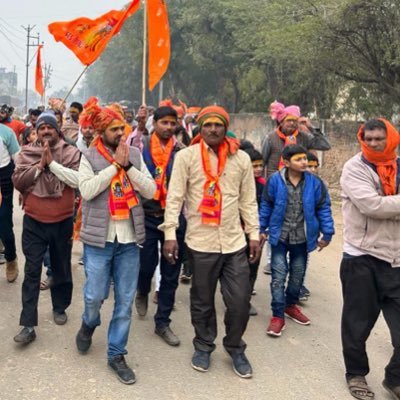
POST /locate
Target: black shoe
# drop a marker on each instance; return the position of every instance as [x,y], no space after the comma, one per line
[60,318]
[252,311]
[393,390]
[168,336]
[141,303]
[241,365]
[25,336]
[186,278]
[84,338]
[201,361]
[125,374]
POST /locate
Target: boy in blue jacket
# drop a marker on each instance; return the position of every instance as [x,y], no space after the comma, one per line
[296,211]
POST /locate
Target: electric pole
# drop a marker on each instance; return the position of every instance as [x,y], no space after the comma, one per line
[29,44]
[46,80]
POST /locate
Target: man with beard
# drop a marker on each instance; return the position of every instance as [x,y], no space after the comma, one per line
[112,175]
[46,175]
[159,153]
[6,119]
[287,132]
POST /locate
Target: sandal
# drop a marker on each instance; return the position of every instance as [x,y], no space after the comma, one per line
[359,388]
[44,285]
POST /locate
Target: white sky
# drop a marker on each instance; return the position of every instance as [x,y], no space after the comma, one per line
[66,67]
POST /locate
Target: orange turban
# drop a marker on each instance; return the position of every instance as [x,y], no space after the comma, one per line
[213,111]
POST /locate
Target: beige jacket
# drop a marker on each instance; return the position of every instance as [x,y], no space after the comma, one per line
[371,219]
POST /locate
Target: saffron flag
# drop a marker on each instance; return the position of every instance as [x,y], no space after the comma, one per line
[159,40]
[87,38]
[39,73]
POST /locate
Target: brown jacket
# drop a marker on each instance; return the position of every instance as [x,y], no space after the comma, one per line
[371,219]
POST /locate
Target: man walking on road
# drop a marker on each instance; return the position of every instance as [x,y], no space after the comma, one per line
[216,181]
[159,153]
[46,175]
[111,177]
[370,268]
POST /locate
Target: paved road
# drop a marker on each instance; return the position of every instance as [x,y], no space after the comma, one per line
[304,364]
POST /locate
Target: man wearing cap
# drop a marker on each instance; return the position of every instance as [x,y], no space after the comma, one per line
[46,175]
[6,111]
[70,128]
[112,177]
[215,179]
[287,132]
[159,153]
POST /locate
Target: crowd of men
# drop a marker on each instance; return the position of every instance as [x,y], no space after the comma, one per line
[172,189]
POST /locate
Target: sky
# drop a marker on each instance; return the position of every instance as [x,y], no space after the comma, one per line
[66,67]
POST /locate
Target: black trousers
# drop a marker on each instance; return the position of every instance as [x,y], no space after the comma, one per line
[232,270]
[149,258]
[369,286]
[6,212]
[36,237]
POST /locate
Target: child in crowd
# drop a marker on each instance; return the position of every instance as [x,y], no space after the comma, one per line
[313,165]
[29,135]
[258,170]
[296,210]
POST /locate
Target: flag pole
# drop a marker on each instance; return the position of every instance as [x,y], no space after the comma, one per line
[76,82]
[144,52]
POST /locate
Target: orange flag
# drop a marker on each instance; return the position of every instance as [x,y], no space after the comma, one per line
[87,38]
[38,72]
[159,40]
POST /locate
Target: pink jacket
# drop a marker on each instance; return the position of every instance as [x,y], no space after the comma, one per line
[371,219]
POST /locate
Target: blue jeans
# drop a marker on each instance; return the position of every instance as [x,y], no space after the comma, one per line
[121,262]
[280,268]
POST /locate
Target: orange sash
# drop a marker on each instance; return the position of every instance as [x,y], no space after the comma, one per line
[292,139]
[122,196]
[160,157]
[211,204]
[386,161]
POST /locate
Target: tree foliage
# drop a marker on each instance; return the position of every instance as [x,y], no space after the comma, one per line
[323,55]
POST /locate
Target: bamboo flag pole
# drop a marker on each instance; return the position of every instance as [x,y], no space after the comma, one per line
[144,52]
[76,82]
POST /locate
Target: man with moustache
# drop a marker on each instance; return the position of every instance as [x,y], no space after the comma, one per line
[112,175]
[159,153]
[215,179]
[46,175]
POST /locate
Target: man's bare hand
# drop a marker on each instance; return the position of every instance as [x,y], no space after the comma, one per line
[254,251]
[122,154]
[263,239]
[171,251]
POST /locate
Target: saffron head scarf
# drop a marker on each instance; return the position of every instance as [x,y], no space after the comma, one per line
[209,113]
[386,161]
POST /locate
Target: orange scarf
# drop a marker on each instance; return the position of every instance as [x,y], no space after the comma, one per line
[211,204]
[122,196]
[160,157]
[292,139]
[386,161]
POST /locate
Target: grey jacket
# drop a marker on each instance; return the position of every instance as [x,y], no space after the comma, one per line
[95,212]
[273,145]
[371,219]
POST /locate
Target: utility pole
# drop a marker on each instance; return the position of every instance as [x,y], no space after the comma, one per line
[29,44]
[46,80]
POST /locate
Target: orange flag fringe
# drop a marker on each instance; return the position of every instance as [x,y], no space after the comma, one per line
[159,40]
[39,73]
[87,38]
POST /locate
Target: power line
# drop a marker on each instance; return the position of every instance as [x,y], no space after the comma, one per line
[12,27]
[12,48]
[15,44]
[9,30]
